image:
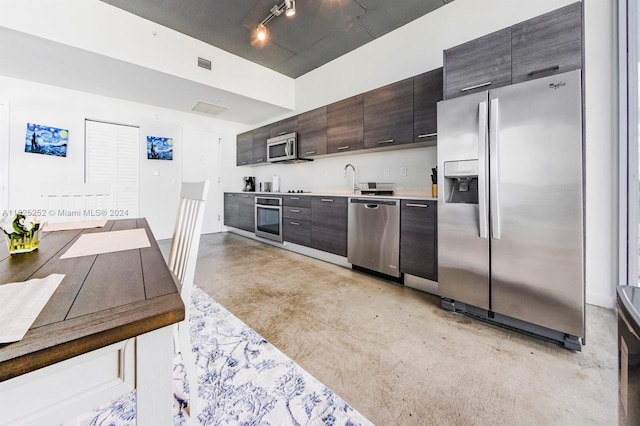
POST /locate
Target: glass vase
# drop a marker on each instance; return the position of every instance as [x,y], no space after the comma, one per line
[23,243]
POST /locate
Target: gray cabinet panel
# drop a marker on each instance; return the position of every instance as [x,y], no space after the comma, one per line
[296,201]
[297,231]
[312,132]
[246,212]
[418,238]
[388,115]
[480,64]
[345,130]
[329,224]
[244,149]
[548,44]
[260,136]
[282,127]
[427,92]
[231,206]
[297,213]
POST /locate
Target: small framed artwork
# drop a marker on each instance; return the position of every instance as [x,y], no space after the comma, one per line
[46,140]
[159,148]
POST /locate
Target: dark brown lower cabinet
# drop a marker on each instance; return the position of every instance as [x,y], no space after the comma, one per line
[329,224]
[419,238]
[239,211]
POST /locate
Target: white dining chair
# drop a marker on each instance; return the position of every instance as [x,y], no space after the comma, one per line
[182,262]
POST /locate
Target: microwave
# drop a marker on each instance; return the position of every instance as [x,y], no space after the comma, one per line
[282,148]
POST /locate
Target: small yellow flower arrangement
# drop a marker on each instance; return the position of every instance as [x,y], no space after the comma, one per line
[22,232]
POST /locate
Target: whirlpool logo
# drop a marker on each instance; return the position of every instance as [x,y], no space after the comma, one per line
[557,85]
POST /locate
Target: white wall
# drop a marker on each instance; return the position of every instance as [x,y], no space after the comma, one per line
[63,108]
[99,27]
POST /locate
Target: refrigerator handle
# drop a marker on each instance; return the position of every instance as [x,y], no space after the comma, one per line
[494,168]
[482,170]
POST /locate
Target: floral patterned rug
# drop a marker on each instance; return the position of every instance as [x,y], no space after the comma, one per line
[243,380]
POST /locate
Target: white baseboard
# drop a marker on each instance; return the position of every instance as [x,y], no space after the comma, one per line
[601,300]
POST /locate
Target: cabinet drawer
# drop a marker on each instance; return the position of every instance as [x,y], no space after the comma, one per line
[296,201]
[297,231]
[296,213]
[329,206]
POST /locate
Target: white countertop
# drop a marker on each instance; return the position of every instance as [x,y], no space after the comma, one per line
[397,195]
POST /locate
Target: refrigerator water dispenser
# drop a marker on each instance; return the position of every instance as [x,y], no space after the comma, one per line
[461,181]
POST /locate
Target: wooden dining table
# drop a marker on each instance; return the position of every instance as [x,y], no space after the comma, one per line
[106,330]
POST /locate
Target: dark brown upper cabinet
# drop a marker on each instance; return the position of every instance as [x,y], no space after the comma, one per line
[480,64]
[282,127]
[345,125]
[427,92]
[388,115]
[260,136]
[244,149]
[312,133]
[548,44]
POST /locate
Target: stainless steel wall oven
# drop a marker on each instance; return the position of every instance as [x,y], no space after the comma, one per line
[269,218]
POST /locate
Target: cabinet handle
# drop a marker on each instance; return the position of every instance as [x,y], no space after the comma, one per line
[310,152]
[243,162]
[260,159]
[326,200]
[340,148]
[386,141]
[294,210]
[424,206]
[294,223]
[477,86]
[282,133]
[294,198]
[427,135]
[229,195]
[541,70]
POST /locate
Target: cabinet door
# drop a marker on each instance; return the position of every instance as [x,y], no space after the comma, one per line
[230,210]
[418,238]
[329,224]
[345,125]
[282,127]
[480,64]
[312,133]
[246,212]
[388,115]
[297,231]
[244,149]
[547,44]
[260,136]
[427,92]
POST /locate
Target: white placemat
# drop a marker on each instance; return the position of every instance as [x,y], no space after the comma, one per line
[107,242]
[21,304]
[64,226]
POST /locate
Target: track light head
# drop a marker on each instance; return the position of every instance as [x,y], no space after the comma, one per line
[261,33]
[290,7]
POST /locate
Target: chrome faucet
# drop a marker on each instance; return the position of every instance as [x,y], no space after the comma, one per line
[354,186]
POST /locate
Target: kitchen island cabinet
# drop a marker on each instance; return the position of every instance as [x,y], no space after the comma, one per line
[329,224]
[388,115]
[418,238]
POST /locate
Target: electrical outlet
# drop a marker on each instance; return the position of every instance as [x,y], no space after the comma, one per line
[403,171]
[387,172]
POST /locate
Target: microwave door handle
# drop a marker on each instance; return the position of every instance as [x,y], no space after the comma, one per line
[286,149]
[483,222]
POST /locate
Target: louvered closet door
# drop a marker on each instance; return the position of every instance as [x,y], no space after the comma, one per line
[112,156]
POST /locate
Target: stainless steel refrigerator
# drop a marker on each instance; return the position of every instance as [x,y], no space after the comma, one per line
[510,207]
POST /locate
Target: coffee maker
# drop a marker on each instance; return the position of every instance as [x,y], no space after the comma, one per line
[249,184]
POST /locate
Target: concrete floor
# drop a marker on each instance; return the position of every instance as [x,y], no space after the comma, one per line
[396,356]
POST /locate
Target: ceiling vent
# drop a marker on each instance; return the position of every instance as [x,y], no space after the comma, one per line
[209,109]
[204,63]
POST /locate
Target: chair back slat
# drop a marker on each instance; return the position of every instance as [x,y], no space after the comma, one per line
[186,237]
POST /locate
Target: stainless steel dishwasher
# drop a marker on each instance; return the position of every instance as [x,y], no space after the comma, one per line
[374,235]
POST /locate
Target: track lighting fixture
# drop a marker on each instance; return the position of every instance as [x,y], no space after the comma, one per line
[289,9]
